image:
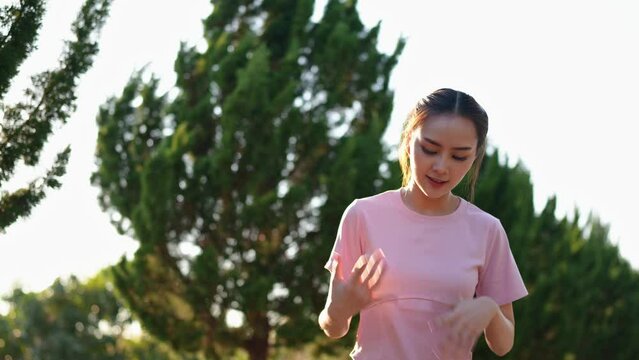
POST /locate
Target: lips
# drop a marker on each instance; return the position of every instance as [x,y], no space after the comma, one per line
[436,181]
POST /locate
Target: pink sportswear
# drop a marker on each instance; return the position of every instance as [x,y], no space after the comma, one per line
[431,262]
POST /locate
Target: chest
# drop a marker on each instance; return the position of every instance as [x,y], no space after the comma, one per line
[439,262]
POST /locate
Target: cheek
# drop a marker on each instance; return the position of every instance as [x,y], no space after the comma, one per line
[419,159]
[462,169]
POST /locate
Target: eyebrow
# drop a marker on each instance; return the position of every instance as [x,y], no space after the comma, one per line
[455,148]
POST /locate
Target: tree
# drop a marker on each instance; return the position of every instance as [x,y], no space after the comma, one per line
[583,297]
[26,126]
[75,320]
[234,183]
[63,322]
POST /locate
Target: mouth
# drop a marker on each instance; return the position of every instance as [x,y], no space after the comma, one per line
[435,181]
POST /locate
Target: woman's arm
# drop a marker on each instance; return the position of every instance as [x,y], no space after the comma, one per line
[500,332]
[334,324]
[471,317]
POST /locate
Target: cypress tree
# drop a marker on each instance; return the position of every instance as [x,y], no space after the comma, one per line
[26,126]
[234,182]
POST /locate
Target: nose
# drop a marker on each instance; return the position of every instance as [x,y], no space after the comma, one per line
[440,165]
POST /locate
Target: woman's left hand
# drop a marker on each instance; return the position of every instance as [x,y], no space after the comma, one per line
[467,321]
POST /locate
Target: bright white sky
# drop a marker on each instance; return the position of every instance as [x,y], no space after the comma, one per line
[559,80]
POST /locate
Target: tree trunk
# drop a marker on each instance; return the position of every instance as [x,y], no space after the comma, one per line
[257,346]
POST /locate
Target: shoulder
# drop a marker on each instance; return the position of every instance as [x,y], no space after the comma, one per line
[374,202]
[370,205]
[480,218]
[378,199]
[495,239]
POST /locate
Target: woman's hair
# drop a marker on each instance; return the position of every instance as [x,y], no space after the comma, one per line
[441,102]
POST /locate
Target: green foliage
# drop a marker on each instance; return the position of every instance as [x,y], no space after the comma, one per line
[583,297]
[26,126]
[69,320]
[76,320]
[235,185]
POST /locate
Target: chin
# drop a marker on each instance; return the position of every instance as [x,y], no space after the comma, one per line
[434,194]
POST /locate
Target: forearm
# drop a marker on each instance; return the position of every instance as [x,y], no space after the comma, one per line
[500,333]
[333,323]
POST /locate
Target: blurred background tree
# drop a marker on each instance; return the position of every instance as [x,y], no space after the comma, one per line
[584,297]
[26,126]
[234,182]
[76,320]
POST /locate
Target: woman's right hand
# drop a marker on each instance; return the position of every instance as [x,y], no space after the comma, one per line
[348,295]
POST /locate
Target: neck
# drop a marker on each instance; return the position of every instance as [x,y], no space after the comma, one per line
[419,202]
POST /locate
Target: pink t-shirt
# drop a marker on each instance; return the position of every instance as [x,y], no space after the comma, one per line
[432,262]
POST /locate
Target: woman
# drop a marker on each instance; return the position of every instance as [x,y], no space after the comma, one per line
[427,271]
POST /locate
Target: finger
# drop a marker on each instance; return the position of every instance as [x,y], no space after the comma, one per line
[461,337]
[469,340]
[378,254]
[465,343]
[445,347]
[449,344]
[368,269]
[373,260]
[376,274]
[451,317]
[443,320]
[358,268]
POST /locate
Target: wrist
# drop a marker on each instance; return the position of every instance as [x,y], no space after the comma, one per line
[334,321]
[336,312]
[490,305]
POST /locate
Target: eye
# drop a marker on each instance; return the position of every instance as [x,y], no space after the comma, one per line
[426,151]
[460,158]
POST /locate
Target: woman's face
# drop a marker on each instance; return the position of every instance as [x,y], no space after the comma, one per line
[441,151]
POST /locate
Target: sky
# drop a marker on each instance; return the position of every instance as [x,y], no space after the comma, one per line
[558,79]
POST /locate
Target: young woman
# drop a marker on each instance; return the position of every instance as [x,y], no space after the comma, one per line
[427,271]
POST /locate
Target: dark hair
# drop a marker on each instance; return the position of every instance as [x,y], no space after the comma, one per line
[440,102]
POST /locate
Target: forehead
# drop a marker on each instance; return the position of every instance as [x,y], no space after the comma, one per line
[448,130]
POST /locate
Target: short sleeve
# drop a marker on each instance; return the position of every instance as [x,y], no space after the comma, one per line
[499,277]
[348,240]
